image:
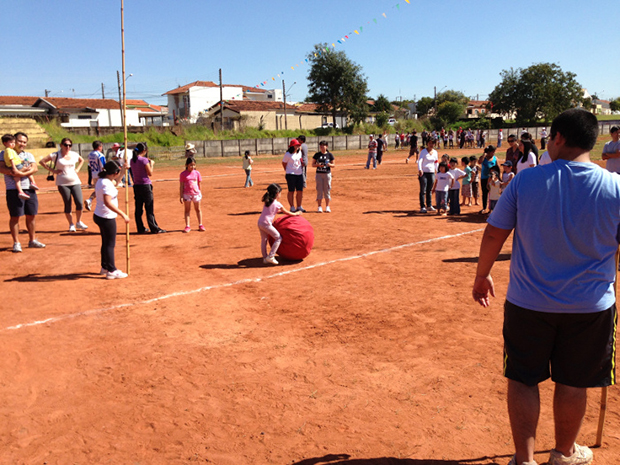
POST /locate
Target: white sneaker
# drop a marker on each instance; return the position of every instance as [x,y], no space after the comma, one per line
[17,247]
[582,456]
[432,209]
[116,274]
[270,261]
[328,210]
[34,244]
[422,210]
[320,210]
[81,226]
[513,461]
[88,204]
[72,228]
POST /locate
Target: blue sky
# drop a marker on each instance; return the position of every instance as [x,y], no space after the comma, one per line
[72,46]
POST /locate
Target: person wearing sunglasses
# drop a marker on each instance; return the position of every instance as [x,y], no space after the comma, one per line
[64,165]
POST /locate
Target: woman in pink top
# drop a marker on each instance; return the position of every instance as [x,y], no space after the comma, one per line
[190,192]
[265,222]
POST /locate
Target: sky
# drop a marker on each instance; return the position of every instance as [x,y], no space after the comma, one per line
[71,47]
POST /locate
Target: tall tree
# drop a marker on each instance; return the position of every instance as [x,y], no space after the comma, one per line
[615,104]
[382,104]
[336,83]
[452,96]
[541,91]
[424,105]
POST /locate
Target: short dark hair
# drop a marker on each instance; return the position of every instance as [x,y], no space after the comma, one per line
[110,168]
[443,165]
[512,136]
[301,138]
[465,160]
[7,138]
[578,127]
[20,133]
[526,136]
[473,158]
[324,142]
[453,160]
[97,144]
[611,130]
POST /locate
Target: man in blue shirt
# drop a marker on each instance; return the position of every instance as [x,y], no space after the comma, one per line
[560,314]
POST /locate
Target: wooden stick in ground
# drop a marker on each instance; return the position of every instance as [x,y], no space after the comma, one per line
[124,112]
[601,418]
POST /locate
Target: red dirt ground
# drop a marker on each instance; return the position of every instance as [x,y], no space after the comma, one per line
[205,355]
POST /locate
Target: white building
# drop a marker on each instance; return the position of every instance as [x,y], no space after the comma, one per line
[190,101]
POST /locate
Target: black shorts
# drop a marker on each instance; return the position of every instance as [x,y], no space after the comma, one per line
[20,207]
[295,182]
[575,349]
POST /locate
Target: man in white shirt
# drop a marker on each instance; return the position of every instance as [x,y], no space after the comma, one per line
[427,167]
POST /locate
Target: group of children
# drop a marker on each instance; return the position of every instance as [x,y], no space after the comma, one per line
[447,185]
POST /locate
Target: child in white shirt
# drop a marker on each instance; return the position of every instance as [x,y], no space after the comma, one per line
[443,182]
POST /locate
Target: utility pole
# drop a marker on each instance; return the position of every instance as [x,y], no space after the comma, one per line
[120,99]
[284,95]
[221,103]
[47,93]
[435,101]
[102,91]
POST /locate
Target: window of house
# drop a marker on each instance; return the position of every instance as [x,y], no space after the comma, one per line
[84,117]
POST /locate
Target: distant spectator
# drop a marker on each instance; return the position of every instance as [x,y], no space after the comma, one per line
[611,151]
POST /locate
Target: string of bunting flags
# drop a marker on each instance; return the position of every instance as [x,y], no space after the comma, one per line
[327,49]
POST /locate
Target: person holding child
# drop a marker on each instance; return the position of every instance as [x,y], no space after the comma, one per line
[14,162]
[190,192]
[272,206]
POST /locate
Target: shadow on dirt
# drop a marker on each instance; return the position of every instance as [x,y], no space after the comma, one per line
[39,278]
[475,218]
[248,263]
[344,459]
[503,257]
[244,214]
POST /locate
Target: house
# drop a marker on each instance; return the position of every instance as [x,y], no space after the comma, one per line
[77,112]
[190,101]
[601,107]
[149,114]
[13,106]
[316,119]
[239,114]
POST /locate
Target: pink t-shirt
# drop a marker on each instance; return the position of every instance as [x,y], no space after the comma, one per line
[269,213]
[190,180]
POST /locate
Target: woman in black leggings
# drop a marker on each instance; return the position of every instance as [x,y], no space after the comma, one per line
[105,215]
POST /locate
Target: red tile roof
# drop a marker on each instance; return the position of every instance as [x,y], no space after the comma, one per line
[308,107]
[72,103]
[255,105]
[186,87]
[478,103]
[24,101]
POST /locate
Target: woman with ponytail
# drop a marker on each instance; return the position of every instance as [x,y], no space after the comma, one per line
[142,169]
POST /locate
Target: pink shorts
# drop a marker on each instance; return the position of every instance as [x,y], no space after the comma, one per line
[192,198]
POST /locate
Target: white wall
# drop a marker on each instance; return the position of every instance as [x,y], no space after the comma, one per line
[105,118]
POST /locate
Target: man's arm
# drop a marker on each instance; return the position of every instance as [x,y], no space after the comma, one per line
[4,169]
[492,242]
[608,155]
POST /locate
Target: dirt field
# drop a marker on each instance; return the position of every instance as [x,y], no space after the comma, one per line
[369,352]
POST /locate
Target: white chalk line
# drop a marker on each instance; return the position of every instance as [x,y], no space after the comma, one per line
[234,283]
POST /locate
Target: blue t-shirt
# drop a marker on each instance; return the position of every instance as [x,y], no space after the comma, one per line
[566,221]
[96,162]
[486,167]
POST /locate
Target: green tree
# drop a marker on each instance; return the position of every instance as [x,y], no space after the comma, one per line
[336,84]
[449,112]
[541,91]
[615,104]
[382,119]
[424,105]
[382,104]
[452,96]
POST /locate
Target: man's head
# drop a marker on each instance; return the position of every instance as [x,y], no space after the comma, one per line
[573,133]
[8,140]
[371,137]
[301,139]
[97,145]
[526,136]
[614,133]
[21,140]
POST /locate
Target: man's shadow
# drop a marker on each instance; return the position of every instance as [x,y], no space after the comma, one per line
[344,459]
[248,263]
[39,278]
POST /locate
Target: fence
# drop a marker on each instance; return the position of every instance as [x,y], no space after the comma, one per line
[274,146]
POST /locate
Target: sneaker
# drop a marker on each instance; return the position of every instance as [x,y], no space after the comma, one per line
[328,210]
[34,187]
[513,461]
[301,209]
[432,209]
[120,184]
[116,274]
[88,205]
[406,160]
[34,244]
[81,226]
[23,195]
[201,228]
[187,229]
[17,247]
[103,271]
[72,228]
[320,210]
[422,210]
[293,210]
[582,456]
[270,261]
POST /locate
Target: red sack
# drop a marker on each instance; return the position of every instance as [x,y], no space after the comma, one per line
[297,237]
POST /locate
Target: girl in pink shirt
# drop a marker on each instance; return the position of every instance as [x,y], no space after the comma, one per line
[190,192]
[265,222]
